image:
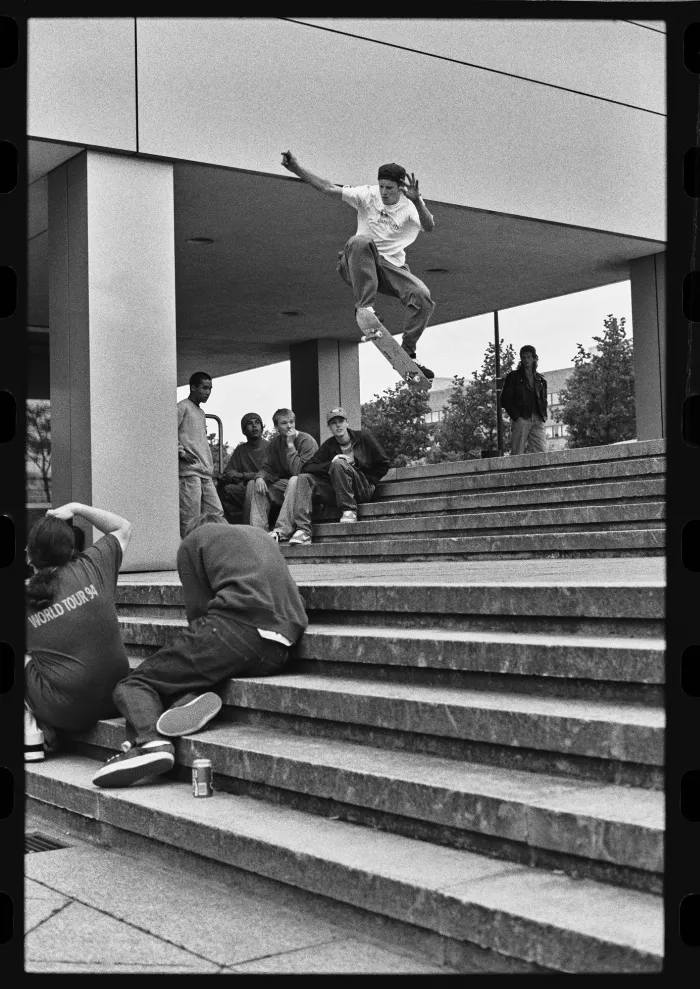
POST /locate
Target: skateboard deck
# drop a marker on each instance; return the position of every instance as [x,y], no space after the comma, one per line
[399,360]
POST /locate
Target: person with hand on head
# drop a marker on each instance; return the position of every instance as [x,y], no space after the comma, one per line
[196,465]
[344,471]
[245,613]
[524,397]
[287,453]
[390,215]
[237,481]
[75,653]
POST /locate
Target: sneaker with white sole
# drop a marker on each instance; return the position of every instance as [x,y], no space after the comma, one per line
[300,538]
[184,719]
[348,516]
[369,323]
[134,763]
[33,746]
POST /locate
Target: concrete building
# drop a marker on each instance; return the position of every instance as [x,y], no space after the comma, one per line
[164,235]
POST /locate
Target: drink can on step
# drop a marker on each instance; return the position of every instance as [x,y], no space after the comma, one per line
[202,778]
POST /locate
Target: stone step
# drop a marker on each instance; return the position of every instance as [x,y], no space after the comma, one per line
[524,914]
[599,668]
[595,729]
[575,493]
[613,542]
[586,456]
[604,832]
[598,597]
[589,518]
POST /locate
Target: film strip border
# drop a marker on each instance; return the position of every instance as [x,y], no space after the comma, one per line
[682,424]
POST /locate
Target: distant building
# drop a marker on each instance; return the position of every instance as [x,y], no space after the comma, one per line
[556,432]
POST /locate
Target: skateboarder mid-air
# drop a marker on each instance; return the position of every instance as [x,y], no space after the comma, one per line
[390,215]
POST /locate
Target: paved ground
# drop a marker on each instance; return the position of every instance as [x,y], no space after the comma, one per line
[601,571]
[95,910]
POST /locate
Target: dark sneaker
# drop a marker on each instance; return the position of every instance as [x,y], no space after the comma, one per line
[300,538]
[426,370]
[184,719]
[134,763]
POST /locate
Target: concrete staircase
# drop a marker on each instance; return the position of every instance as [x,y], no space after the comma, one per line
[467,753]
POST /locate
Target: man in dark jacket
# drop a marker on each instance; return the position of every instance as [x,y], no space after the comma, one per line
[344,470]
[244,612]
[524,397]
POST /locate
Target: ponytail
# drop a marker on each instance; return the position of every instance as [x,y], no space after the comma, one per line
[51,545]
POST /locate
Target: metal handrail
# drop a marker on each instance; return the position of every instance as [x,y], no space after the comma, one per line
[210,415]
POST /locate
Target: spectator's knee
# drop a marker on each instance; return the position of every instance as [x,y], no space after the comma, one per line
[339,467]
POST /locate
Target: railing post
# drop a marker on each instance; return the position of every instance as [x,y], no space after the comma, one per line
[210,415]
[499,413]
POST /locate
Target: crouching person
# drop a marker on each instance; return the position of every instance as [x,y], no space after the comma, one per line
[344,471]
[75,654]
[244,613]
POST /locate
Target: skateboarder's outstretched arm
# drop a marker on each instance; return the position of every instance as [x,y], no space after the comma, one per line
[323,185]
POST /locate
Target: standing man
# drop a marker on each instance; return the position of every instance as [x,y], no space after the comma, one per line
[244,613]
[236,483]
[286,455]
[344,471]
[390,216]
[524,397]
[197,491]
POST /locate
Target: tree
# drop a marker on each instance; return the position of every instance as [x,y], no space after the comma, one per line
[597,404]
[397,420]
[469,424]
[38,441]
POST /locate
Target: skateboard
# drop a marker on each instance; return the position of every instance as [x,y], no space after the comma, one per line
[399,360]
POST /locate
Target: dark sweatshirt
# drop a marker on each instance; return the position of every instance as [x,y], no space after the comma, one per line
[370,459]
[281,462]
[238,572]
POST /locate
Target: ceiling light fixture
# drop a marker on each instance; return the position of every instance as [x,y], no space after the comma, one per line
[200,240]
[290,312]
[438,270]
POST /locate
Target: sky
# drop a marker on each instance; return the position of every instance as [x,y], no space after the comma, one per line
[554,327]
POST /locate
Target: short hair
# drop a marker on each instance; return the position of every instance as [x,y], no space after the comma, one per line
[204,519]
[281,412]
[198,377]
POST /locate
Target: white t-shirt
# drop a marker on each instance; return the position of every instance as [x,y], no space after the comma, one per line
[392,228]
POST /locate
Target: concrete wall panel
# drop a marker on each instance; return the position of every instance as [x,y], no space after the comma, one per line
[237,93]
[81,84]
[612,59]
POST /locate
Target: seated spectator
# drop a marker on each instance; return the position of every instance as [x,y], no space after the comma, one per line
[235,486]
[75,654]
[345,470]
[287,453]
[244,613]
[524,397]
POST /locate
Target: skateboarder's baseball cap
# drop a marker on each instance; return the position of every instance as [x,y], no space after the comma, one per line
[338,413]
[392,171]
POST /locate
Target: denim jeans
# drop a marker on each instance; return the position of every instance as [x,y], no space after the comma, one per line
[261,504]
[363,268]
[344,487]
[210,651]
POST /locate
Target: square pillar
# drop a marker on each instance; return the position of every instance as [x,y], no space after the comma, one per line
[112,346]
[648,281]
[324,373]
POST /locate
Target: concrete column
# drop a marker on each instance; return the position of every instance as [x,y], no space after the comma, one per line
[648,278]
[112,341]
[324,373]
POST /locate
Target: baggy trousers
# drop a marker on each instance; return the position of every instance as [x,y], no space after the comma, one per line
[363,268]
[210,651]
[197,496]
[261,504]
[528,436]
[345,487]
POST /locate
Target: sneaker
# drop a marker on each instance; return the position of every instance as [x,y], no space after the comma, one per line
[276,535]
[184,719]
[300,538]
[369,323]
[426,370]
[348,517]
[134,763]
[33,746]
